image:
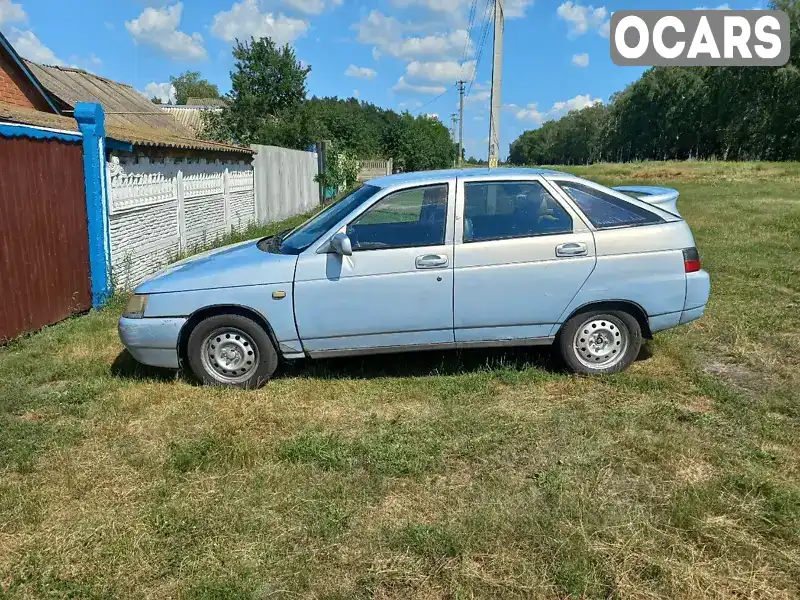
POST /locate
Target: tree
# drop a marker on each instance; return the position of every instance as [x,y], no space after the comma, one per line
[268,88]
[156,100]
[190,85]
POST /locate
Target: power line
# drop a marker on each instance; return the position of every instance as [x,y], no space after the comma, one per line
[452,87]
[488,18]
[469,29]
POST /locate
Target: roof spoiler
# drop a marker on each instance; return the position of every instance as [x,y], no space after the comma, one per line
[663,198]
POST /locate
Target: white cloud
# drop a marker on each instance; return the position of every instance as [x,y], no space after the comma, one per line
[310,7]
[244,19]
[531,112]
[356,93]
[163,91]
[581,60]
[10,12]
[158,27]
[386,34]
[720,7]
[515,9]
[95,61]
[376,54]
[361,72]
[403,87]
[440,72]
[29,46]
[581,19]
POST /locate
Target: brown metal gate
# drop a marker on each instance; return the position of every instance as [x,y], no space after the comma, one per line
[44,242]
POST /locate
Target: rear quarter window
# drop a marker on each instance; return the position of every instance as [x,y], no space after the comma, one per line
[605,211]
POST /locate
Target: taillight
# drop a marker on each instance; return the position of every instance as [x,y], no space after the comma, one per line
[691,260]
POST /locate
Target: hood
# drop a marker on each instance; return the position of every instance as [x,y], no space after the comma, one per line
[231,266]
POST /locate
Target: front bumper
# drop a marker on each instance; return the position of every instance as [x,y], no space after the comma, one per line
[152,341]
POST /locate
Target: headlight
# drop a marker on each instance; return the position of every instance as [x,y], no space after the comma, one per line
[135,307]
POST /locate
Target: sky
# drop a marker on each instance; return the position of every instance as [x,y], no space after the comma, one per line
[400,54]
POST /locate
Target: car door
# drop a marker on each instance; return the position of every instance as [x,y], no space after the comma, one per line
[396,290]
[520,257]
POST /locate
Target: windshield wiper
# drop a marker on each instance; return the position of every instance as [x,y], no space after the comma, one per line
[277,239]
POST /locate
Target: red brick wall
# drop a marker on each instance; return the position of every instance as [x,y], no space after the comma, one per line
[16,89]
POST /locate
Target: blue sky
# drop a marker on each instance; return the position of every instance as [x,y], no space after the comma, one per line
[400,54]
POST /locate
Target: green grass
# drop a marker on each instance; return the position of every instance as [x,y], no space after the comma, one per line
[479,475]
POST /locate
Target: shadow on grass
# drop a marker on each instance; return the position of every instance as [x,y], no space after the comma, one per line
[127,367]
[406,364]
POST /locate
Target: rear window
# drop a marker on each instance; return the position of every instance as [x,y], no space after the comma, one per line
[605,211]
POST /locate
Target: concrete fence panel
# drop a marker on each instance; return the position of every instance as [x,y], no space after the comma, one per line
[160,209]
[284,182]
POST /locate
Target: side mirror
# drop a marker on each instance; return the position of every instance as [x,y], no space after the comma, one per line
[341,244]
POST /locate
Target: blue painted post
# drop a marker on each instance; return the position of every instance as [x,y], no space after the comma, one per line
[91,122]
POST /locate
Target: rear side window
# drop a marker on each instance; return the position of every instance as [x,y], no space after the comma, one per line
[512,209]
[606,211]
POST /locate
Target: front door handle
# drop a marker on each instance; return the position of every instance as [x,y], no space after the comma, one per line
[432,261]
[572,249]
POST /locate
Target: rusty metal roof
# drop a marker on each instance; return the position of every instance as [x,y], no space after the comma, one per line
[122,104]
[134,135]
[130,117]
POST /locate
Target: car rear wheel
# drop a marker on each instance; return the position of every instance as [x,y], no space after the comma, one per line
[600,342]
[231,350]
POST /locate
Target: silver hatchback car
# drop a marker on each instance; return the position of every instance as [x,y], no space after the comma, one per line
[433,260]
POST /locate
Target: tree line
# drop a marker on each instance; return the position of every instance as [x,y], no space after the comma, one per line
[268,104]
[725,113]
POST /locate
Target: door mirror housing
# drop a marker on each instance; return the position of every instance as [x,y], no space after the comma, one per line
[341,244]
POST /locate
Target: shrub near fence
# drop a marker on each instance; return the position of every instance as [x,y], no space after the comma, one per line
[160,210]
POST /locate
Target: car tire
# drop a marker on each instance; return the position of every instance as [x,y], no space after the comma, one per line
[600,342]
[231,350]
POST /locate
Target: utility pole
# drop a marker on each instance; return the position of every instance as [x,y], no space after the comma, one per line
[461,123]
[453,120]
[497,81]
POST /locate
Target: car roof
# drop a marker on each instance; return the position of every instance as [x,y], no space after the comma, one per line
[421,176]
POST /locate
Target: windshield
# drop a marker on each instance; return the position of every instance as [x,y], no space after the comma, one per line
[310,231]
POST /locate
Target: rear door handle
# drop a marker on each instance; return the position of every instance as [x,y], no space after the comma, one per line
[572,249]
[432,261]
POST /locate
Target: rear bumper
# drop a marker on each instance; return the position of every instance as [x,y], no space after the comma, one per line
[698,289]
[152,342]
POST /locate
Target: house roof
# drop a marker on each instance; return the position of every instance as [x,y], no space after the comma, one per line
[135,135]
[215,102]
[130,117]
[189,116]
[123,105]
[26,71]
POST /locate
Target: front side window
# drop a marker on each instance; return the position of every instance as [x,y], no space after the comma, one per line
[310,231]
[605,211]
[502,210]
[404,219]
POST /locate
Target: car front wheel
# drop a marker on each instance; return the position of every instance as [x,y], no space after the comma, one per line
[600,342]
[231,350]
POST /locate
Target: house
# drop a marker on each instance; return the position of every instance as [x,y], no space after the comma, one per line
[169,191]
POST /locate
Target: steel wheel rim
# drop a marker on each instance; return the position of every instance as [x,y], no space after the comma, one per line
[600,343]
[229,355]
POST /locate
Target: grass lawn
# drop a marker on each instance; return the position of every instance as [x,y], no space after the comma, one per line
[485,474]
